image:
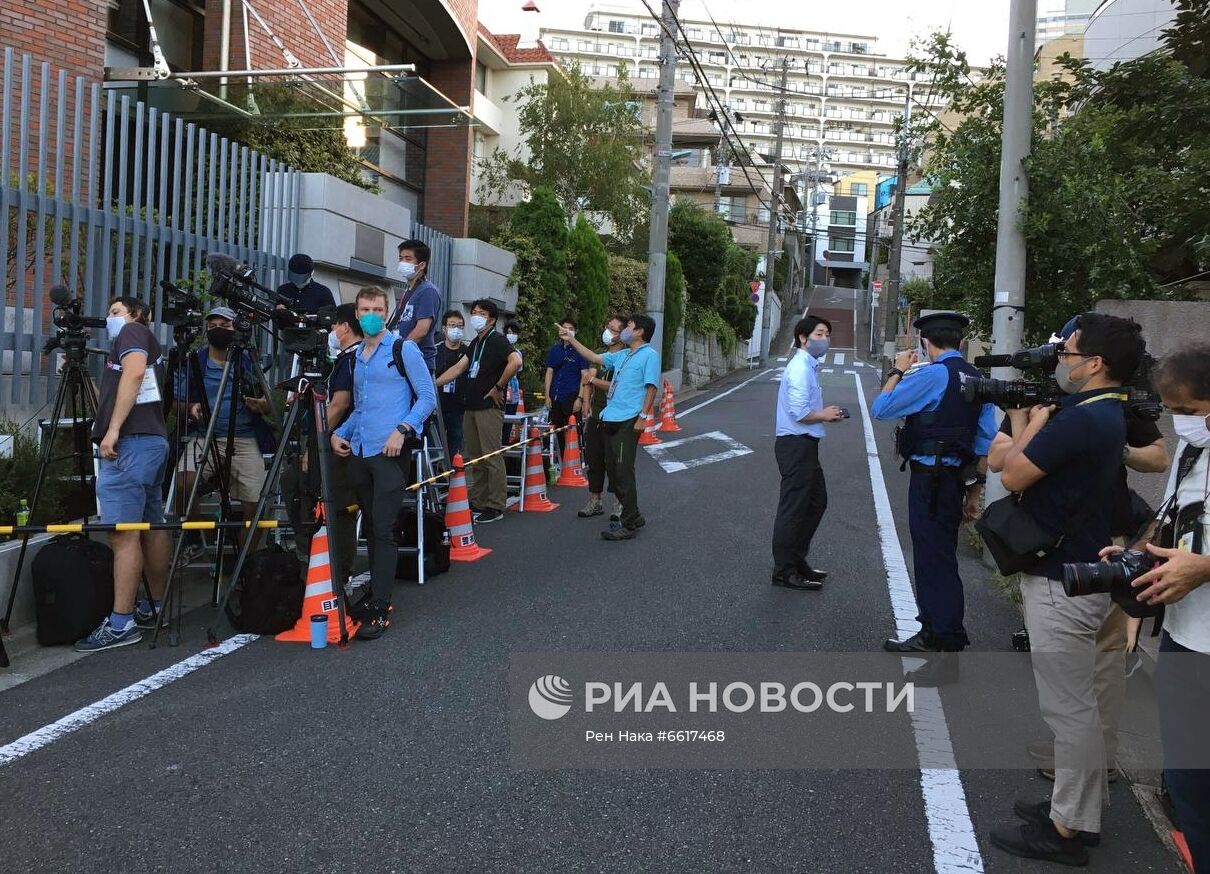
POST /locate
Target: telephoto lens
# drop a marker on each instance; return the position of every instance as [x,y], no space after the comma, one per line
[1115,574]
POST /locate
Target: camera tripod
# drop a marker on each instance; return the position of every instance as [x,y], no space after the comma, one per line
[77,396]
[208,458]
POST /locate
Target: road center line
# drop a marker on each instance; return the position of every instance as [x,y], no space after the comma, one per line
[955,849]
[89,714]
[683,413]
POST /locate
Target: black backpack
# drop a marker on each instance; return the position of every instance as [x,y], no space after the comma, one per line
[73,588]
[268,598]
[436,544]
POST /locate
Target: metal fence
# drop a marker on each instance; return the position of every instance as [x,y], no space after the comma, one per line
[108,196]
[441,248]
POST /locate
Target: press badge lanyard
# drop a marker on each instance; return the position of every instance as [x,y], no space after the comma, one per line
[617,376]
[473,373]
[149,388]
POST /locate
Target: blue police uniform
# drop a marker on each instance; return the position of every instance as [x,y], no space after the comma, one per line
[942,435]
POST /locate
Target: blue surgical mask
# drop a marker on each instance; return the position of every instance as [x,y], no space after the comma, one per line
[407,270]
[454,334]
[371,324]
[818,348]
[626,336]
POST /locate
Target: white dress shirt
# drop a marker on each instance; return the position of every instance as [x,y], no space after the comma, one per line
[798,395]
[1188,620]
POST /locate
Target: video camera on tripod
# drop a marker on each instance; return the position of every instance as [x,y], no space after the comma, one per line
[73,325]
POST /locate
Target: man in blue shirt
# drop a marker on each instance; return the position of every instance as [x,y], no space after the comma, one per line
[1065,465]
[800,419]
[565,372]
[636,378]
[945,441]
[389,412]
[415,316]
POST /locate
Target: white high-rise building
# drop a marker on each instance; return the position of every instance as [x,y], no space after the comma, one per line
[1058,18]
[842,95]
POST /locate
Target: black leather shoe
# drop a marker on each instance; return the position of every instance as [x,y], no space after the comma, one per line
[791,580]
[921,641]
[1040,813]
[809,573]
[940,669]
[1040,841]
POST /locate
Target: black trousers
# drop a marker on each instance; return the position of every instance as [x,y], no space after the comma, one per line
[803,500]
[621,446]
[560,410]
[380,483]
[935,514]
[594,454]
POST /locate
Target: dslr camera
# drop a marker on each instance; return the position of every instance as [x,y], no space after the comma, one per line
[1011,394]
[1112,577]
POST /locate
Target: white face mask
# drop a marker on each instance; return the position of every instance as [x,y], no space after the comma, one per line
[512,338]
[1192,429]
[607,337]
[478,323]
[407,270]
[454,334]
[114,326]
[333,343]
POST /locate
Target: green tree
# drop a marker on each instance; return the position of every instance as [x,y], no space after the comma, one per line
[587,276]
[701,240]
[541,221]
[582,142]
[627,285]
[674,306]
[1117,174]
[527,276]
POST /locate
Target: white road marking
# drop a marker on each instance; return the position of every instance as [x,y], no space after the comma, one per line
[839,358]
[671,465]
[827,370]
[682,414]
[955,849]
[851,372]
[89,714]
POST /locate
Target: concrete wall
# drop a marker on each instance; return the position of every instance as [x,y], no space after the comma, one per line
[481,270]
[704,360]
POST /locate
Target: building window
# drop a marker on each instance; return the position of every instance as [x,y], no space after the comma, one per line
[844,217]
[617,27]
[180,26]
[480,77]
[859,189]
[840,244]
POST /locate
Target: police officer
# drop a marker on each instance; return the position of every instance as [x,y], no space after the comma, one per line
[945,441]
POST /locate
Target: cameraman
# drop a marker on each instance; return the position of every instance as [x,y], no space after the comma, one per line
[253,438]
[1182,677]
[133,442]
[1065,466]
[307,295]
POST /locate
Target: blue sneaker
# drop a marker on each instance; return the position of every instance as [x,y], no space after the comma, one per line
[144,616]
[104,637]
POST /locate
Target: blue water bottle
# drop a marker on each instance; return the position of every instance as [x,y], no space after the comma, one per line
[319,631]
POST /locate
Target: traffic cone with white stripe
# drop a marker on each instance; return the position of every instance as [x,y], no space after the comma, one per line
[668,411]
[319,597]
[533,495]
[648,438]
[516,435]
[458,518]
[572,473]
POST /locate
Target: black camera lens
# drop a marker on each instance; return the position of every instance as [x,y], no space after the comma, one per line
[1090,578]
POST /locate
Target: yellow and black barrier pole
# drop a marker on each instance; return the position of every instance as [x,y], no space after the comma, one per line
[447,474]
[101,528]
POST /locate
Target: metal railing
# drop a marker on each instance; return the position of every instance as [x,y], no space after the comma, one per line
[111,198]
[440,257]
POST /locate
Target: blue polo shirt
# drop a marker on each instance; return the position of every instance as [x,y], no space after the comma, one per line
[633,371]
[383,399]
[568,366]
[422,302]
[1080,450]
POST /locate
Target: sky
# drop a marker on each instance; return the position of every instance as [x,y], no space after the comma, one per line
[978,26]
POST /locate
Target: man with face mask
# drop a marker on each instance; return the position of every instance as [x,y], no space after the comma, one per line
[1064,463]
[944,440]
[801,416]
[453,394]
[415,316]
[308,296]
[253,437]
[133,443]
[1182,548]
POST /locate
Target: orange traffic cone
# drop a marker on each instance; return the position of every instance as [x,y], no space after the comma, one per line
[533,492]
[319,598]
[572,473]
[458,519]
[516,435]
[648,437]
[668,411]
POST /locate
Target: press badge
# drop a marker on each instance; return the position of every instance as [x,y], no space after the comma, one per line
[448,388]
[149,390]
[474,371]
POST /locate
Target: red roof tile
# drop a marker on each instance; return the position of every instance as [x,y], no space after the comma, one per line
[506,45]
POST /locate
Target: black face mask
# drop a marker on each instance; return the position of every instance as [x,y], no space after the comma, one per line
[219,338]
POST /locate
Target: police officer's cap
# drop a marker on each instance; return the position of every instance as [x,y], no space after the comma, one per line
[952,321]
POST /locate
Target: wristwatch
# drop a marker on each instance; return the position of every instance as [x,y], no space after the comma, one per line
[405,430]
[978,479]
[895,371]
[502,388]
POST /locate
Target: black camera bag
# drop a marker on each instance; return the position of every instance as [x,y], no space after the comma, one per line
[268,598]
[1013,537]
[73,588]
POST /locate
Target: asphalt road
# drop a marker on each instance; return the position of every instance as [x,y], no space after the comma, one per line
[394,755]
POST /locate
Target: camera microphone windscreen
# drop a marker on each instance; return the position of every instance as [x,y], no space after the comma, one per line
[224,265]
[61,295]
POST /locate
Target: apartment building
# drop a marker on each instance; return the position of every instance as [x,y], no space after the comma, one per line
[841,93]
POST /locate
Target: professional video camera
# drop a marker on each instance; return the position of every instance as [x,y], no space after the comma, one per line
[1141,398]
[235,283]
[1017,393]
[180,308]
[309,338]
[73,326]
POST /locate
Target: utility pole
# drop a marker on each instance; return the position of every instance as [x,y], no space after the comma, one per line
[657,241]
[1008,306]
[873,278]
[890,291]
[770,259]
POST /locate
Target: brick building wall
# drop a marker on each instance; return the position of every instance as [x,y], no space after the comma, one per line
[68,33]
[287,22]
